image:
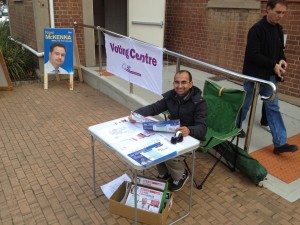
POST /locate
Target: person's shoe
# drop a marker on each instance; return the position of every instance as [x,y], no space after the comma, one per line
[285,148]
[177,185]
[242,134]
[164,177]
[267,128]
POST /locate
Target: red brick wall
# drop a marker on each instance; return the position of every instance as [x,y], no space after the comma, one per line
[66,12]
[291,27]
[22,24]
[218,36]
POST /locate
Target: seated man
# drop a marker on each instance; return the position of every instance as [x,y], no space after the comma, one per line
[184,102]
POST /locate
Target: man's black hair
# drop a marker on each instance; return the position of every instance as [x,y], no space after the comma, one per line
[272,3]
[57,44]
[188,72]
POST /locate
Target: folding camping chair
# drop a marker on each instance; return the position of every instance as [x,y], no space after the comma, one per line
[223,109]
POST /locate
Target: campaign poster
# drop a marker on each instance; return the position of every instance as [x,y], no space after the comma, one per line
[58,50]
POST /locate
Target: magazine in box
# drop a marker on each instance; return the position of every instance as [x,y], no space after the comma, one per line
[160,185]
[147,199]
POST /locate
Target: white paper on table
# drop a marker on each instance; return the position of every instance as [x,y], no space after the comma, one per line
[110,188]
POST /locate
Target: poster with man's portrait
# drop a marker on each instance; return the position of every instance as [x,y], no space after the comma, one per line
[58,50]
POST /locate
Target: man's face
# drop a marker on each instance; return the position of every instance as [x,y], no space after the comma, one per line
[57,56]
[144,201]
[182,83]
[276,14]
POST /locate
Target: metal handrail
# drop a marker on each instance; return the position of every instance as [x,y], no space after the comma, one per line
[257,82]
[161,24]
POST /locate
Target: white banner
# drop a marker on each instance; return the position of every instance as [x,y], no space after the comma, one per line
[138,63]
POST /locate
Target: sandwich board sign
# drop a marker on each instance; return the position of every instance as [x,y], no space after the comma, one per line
[58,53]
[5,81]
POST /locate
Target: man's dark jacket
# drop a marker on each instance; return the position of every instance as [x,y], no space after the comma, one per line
[265,48]
[191,110]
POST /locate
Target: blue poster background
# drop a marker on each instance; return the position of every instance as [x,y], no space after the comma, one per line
[64,36]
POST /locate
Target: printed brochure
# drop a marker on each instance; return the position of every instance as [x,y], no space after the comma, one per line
[139,118]
[152,154]
[163,126]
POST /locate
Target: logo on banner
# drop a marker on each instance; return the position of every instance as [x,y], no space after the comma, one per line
[128,69]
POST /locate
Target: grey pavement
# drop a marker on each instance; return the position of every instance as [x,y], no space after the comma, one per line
[46,165]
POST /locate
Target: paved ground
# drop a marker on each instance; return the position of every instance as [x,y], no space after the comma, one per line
[46,171]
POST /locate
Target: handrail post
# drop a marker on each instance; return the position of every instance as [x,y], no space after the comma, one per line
[252,116]
[177,64]
[99,50]
[130,88]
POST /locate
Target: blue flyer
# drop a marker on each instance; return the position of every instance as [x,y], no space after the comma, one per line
[152,154]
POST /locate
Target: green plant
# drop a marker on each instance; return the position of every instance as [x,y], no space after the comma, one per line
[19,61]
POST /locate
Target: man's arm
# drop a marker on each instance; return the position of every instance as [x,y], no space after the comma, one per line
[153,109]
[198,131]
[150,110]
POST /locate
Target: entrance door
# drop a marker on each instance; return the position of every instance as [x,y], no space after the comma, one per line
[146,20]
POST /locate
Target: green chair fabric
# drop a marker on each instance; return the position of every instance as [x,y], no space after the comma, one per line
[223,109]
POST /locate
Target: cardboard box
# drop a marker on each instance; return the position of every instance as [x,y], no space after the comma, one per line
[143,216]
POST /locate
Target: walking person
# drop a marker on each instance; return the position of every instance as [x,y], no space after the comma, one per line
[265,59]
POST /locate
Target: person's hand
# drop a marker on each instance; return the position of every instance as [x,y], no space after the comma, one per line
[283,64]
[279,70]
[184,130]
[130,119]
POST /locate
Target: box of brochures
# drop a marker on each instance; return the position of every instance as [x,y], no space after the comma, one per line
[153,202]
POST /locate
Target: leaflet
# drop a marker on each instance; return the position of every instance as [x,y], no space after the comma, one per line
[163,126]
[139,118]
[110,188]
[152,154]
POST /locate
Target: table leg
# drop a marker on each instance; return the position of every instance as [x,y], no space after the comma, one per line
[191,190]
[193,173]
[93,161]
[135,197]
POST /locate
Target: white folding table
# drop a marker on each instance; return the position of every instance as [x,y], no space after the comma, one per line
[119,134]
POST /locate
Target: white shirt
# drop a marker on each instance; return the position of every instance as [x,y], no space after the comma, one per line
[50,69]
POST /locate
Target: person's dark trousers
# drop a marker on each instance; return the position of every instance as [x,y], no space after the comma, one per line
[263,120]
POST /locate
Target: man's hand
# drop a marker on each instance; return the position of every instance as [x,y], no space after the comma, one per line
[283,64]
[184,130]
[279,70]
[130,119]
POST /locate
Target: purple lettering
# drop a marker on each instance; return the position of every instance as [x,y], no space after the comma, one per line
[133,54]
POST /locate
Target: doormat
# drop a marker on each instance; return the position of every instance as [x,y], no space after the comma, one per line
[105,73]
[285,166]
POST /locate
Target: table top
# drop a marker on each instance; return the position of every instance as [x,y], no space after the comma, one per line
[125,139]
